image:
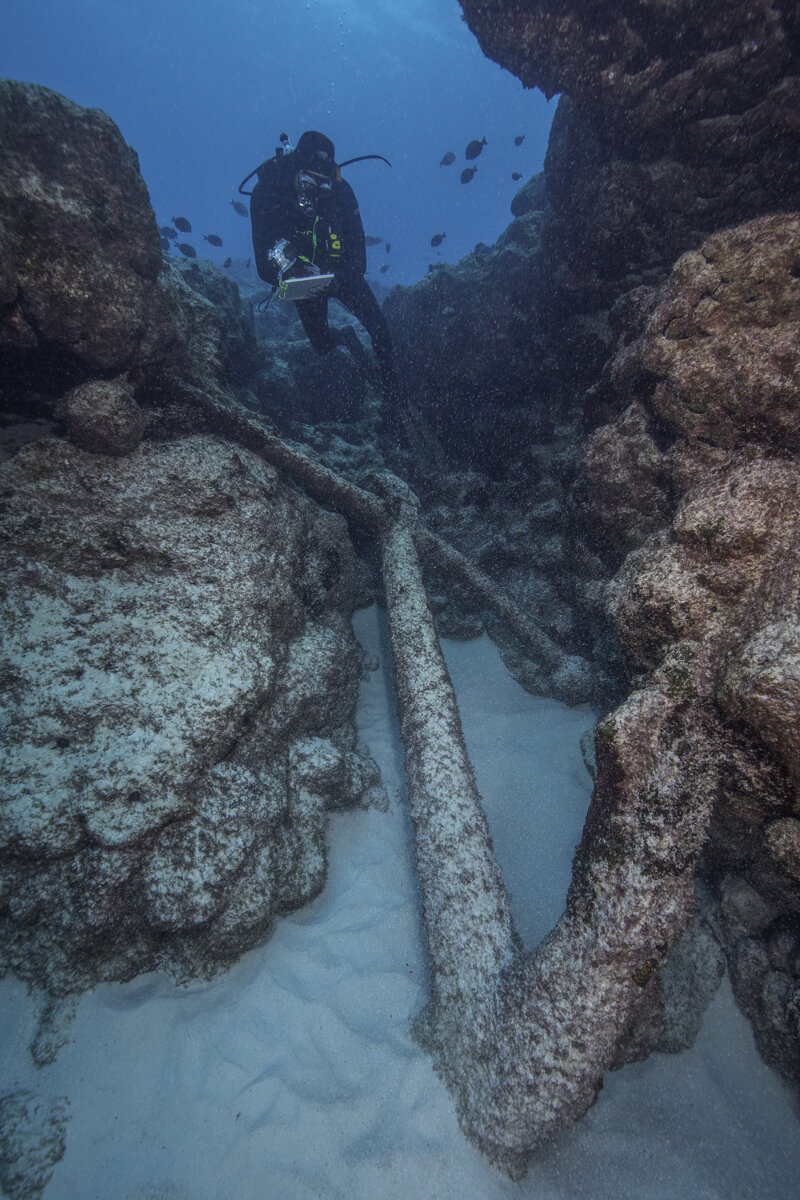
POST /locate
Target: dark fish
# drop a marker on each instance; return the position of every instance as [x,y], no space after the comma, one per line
[516,175]
[447,159]
[164,244]
[519,139]
[213,238]
[182,224]
[167,231]
[240,208]
[438,238]
[372,241]
[467,174]
[384,268]
[247,264]
[474,148]
[186,249]
[227,263]
[388,247]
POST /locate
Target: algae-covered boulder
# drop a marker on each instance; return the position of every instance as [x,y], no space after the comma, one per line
[178,682]
[102,415]
[79,248]
[708,601]
[724,342]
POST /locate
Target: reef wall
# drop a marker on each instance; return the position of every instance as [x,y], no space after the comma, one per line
[633,344]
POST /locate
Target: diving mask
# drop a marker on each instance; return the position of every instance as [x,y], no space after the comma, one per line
[308,184]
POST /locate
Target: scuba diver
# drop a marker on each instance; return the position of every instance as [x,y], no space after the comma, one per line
[305,221]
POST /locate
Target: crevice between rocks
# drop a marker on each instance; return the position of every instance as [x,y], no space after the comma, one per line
[522,1041]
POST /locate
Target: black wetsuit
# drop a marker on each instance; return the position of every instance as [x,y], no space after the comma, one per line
[332,239]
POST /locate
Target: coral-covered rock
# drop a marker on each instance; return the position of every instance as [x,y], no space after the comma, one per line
[179,676]
[724,342]
[711,600]
[761,688]
[656,599]
[79,248]
[624,499]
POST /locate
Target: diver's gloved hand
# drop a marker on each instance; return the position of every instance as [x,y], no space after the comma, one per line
[303,267]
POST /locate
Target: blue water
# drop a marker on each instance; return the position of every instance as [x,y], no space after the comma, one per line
[203,89]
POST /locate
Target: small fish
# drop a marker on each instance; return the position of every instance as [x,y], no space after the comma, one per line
[247,264]
[227,263]
[372,241]
[474,148]
[384,268]
[182,224]
[447,159]
[213,238]
[164,244]
[167,231]
[438,238]
[186,249]
[240,208]
[388,247]
[467,174]
[516,175]
[519,139]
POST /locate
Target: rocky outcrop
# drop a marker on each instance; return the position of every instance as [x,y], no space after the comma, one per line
[709,599]
[85,292]
[103,416]
[79,251]
[178,669]
[642,66]
[674,385]
[179,681]
[681,119]
[531,197]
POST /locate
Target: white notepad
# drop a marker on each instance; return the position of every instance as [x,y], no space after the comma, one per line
[303,287]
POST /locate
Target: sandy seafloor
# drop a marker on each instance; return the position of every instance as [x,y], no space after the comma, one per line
[294,1074]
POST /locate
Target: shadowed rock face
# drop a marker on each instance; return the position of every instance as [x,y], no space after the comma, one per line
[79,250]
[85,292]
[681,119]
[446,326]
[646,66]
